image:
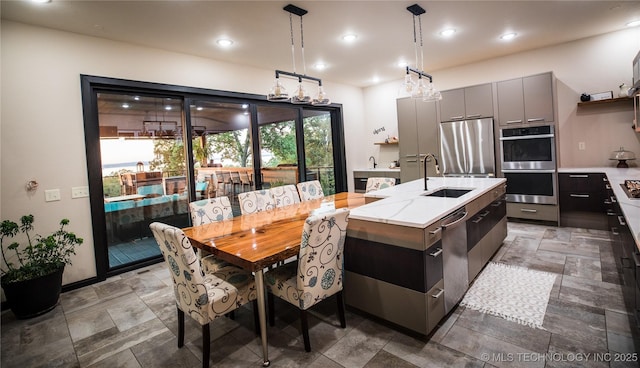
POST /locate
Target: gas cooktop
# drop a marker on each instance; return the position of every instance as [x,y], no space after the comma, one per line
[632,188]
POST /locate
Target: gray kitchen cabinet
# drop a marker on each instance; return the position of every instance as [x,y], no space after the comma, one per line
[418,135]
[526,100]
[467,103]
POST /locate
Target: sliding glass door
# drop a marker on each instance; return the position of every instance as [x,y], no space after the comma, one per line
[153,148]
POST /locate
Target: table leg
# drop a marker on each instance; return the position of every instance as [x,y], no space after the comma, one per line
[262,314]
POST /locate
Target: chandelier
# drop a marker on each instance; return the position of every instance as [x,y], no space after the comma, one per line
[278,92]
[419,89]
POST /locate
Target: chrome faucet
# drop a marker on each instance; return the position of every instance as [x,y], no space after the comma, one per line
[426,159]
[374,161]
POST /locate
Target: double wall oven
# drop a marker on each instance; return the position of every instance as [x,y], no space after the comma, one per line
[528,158]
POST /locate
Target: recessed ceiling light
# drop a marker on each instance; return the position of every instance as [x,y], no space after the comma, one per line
[199,108]
[402,63]
[244,106]
[508,36]
[224,42]
[350,37]
[375,79]
[320,66]
[41,1]
[168,108]
[125,105]
[447,32]
[634,23]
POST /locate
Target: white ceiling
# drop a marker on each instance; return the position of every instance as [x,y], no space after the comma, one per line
[260,30]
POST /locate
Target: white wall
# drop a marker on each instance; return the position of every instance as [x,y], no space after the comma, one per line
[590,65]
[42,125]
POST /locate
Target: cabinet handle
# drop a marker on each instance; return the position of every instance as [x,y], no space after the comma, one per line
[410,155]
[436,231]
[477,220]
[613,199]
[610,213]
[605,180]
[473,116]
[364,180]
[579,195]
[438,295]
[607,201]
[528,210]
[578,176]
[496,204]
[436,253]
[513,121]
[607,186]
[621,221]
[483,214]
[614,231]
[534,120]
[411,161]
[457,117]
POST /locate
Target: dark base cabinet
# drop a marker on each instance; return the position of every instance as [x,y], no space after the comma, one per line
[582,200]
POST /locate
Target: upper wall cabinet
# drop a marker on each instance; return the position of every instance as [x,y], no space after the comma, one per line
[467,103]
[526,100]
[418,136]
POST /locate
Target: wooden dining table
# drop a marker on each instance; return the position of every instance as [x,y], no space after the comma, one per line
[259,240]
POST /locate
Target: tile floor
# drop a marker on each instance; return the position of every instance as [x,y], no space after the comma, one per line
[130,321]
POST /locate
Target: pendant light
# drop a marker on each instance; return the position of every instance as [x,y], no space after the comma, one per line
[278,92]
[420,89]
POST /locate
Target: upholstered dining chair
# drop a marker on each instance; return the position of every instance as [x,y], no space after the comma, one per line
[379,183]
[206,211]
[256,201]
[285,195]
[309,190]
[318,273]
[202,296]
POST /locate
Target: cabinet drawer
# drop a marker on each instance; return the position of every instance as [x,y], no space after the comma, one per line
[529,211]
[581,182]
[582,201]
[433,264]
[435,305]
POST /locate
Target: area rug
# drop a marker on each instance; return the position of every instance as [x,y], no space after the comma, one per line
[514,293]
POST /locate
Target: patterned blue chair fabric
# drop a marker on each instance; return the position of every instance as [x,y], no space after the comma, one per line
[256,201]
[318,273]
[207,211]
[285,195]
[202,296]
[310,190]
[379,183]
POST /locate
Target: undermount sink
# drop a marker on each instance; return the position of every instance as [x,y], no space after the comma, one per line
[448,193]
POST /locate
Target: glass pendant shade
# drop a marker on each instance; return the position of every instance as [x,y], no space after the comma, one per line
[407,87]
[322,98]
[278,92]
[300,96]
[420,89]
[432,93]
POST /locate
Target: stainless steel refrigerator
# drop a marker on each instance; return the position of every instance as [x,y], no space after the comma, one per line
[467,148]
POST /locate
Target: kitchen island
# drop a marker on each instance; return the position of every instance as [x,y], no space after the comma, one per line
[410,254]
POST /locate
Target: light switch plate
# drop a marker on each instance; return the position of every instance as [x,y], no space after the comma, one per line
[79,192]
[51,195]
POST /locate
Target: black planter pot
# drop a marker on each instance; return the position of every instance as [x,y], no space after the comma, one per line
[31,298]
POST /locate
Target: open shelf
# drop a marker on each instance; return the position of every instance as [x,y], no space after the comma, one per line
[385,143]
[608,101]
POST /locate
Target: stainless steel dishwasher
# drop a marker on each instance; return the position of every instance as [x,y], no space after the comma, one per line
[454,257]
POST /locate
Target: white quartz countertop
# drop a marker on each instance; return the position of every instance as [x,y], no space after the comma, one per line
[630,207]
[404,204]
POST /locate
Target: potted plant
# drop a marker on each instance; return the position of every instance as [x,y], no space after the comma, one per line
[32,286]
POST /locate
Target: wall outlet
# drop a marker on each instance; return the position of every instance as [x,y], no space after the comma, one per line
[79,192]
[582,146]
[52,195]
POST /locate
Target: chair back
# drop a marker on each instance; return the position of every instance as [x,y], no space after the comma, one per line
[379,183]
[191,288]
[256,201]
[210,210]
[310,190]
[321,261]
[285,195]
